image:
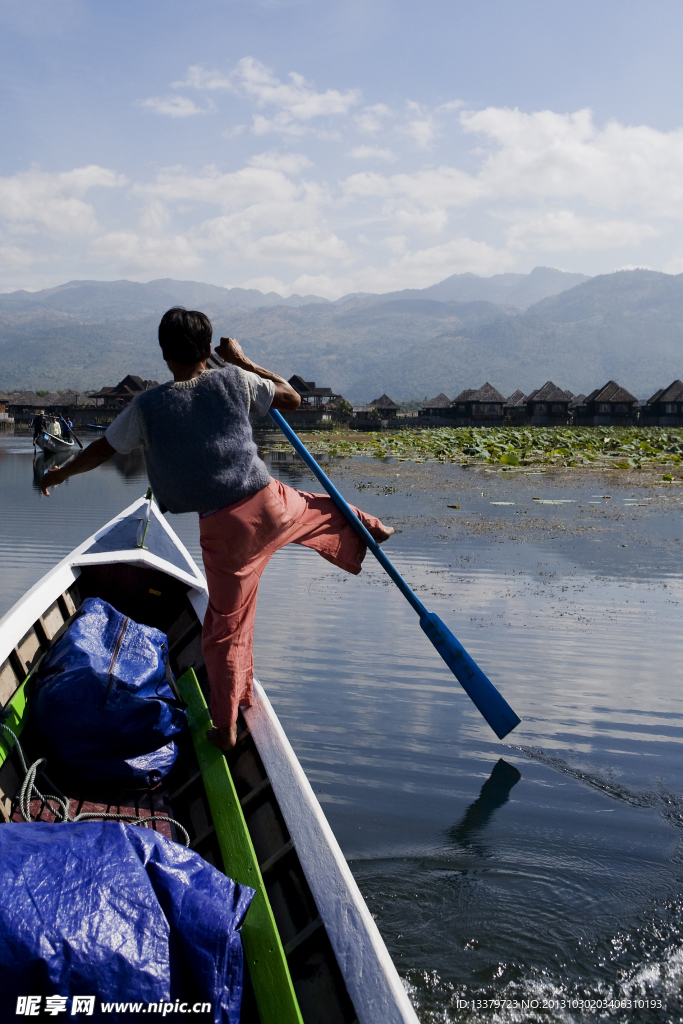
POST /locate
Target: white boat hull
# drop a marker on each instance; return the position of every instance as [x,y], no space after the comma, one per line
[50,443]
[371,979]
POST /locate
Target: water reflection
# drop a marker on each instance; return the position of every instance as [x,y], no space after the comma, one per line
[42,462]
[494,794]
[129,467]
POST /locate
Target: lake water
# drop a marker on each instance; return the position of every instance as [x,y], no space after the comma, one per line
[538,878]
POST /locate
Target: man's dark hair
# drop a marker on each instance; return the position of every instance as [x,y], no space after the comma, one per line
[185,335]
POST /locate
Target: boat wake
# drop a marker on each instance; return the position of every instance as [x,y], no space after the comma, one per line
[637,974]
[669,805]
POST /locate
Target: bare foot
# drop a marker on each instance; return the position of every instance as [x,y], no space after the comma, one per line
[381,533]
[224,737]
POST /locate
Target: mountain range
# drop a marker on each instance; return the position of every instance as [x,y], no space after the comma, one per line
[514,330]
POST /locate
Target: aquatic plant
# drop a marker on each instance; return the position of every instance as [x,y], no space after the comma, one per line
[508,447]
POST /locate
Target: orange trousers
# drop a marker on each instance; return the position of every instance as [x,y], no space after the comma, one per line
[237,543]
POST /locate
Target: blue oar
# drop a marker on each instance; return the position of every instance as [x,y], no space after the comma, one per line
[478,688]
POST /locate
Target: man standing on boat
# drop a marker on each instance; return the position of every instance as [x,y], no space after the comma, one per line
[38,425]
[65,427]
[200,455]
[52,426]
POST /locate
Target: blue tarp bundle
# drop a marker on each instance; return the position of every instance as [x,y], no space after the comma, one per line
[101,703]
[117,912]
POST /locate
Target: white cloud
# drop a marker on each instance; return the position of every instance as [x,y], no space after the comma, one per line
[551,158]
[199,78]
[564,230]
[545,154]
[532,183]
[373,153]
[369,119]
[415,269]
[395,243]
[324,285]
[156,217]
[14,258]
[423,267]
[235,189]
[299,248]
[296,100]
[451,105]
[288,163]
[263,284]
[297,97]
[420,125]
[443,186]
[282,124]
[232,133]
[136,255]
[55,201]
[172,106]
[423,219]
[267,218]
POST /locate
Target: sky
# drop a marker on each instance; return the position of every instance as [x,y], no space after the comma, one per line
[331,147]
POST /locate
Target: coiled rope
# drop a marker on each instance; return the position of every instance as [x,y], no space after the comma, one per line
[30,791]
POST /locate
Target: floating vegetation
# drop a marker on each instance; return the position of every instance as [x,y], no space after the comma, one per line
[509,447]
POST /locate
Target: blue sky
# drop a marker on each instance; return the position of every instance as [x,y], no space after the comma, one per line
[341,146]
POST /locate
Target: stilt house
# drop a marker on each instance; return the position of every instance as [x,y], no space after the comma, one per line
[514,409]
[442,405]
[612,405]
[665,408]
[117,398]
[548,406]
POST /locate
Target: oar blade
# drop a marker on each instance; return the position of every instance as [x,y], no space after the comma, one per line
[478,688]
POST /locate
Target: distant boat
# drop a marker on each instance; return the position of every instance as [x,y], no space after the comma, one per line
[313,952]
[97,426]
[50,443]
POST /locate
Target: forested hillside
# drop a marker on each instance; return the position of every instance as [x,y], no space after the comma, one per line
[626,326]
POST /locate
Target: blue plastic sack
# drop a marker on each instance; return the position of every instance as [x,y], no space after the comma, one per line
[120,913]
[101,703]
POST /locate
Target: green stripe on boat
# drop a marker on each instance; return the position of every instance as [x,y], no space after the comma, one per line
[15,715]
[273,988]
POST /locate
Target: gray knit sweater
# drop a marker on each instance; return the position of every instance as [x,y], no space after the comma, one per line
[199,450]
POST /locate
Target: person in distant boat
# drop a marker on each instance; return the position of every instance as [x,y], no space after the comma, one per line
[38,425]
[200,455]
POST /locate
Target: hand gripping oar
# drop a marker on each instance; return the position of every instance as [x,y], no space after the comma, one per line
[478,688]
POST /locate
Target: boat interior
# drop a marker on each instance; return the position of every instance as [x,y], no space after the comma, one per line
[153,597]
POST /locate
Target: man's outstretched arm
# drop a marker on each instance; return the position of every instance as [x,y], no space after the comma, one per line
[285,397]
[90,458]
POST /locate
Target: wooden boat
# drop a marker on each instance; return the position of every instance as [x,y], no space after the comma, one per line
[50,443]
[313,954]
[97,426]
